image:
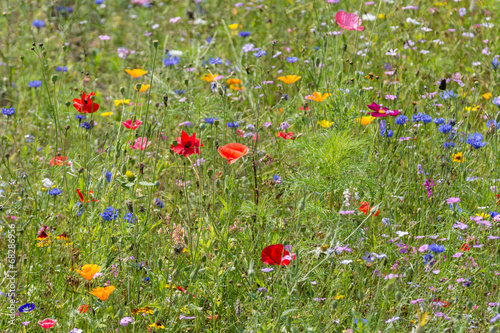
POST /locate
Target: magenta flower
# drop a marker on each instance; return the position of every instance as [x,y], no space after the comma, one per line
[349,21]
[452,200]
[104,37]
[428,184]
[141,143]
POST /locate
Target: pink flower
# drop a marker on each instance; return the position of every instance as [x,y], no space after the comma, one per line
[348,21]
[457,255]
[47,323]
[175,19]
[423,248]
[141,143]
[128,124]
[104,37]
[140,2]
[452,200]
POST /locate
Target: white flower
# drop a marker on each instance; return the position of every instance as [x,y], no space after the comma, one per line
[199,21]
[393,28]
[476,63]
[155,26]
[426,29]
[391,52]
[424,51]
[345,262]
[410,20]
[175,53]
[368,17]
[47,183]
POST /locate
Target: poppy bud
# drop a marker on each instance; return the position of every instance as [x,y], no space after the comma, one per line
[165,100]
[32,49]
[130,205]
[155,43]
[142,208]
[204,258]
[21,57]
[54,78]
[67,127]
[7,155]
[137,87]
[122,90]
[41,44]
[80,170]
[141,168]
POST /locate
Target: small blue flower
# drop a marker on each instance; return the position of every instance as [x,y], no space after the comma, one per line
[428,259]
[233,124]
[444,128]
[35,84]
[8,112]
[260,53]
[496,101]
[401,120]
[421,117]
[439,121]
[146,279]
[492,123]
[476,140]
[244,34]
[493,214]
[86,125]
[449,145]
[99,2]
[55,192]
[495,63]
[109,214]
[62,69]
[159,203]
[38,24]
[285,97]
[277,179]
[436,248]
[108,176]
[130,218]
[210,120]
[447,94]
[292,59]
[209,40]
[179,92]
[171,61]
[28,307]
[216,61]
[80,116]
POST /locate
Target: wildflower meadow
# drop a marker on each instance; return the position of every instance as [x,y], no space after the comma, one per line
[260,166]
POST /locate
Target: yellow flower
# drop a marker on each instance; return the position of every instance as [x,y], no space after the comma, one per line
[365,120]
[106,114]
[142,310]
[135,73]
[458,157]
[422,318]
[210,77]
[157,325]
[339,296]
[45,242]
[440,4]
[233,26]
[142,87]
[317,97]
[130,175]
[233,81]
[103,293]
[474,108]
[119,102]
[289,79]
[88,271]
[382,16]
[487,95]
[484,215]
[325,123]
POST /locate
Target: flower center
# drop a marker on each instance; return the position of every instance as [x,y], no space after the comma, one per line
[187,145]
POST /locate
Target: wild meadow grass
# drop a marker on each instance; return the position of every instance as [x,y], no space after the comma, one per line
[260,166]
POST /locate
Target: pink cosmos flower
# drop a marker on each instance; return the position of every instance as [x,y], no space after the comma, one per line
[104,37]
[128,124]
[349,21]
[141,143]
[47,323]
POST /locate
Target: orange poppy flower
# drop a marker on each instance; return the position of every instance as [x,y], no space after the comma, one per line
[213,317]
[233,152]
[59,161]
[233,81]
[317,97]
[211,77]
[83,308]
[365,208]
[289,79]
[103,293]
[88,271]
[135,73]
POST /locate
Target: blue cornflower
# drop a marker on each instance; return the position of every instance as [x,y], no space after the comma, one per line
[210,120]
[476,140]
[277,179]
[159,203]
[80,116]
[146,279]
[55,192]
[86,125]
[109,214]
[493,214]
[99,2]
[491,123]
[244,34]
[285,97]
[38,24]
[495,63]
[292,59]
[496,101]
[421,117]
[428,259]
[233,124]
[209,39]
[449,144]
[130,218]
[8,112]
[447,94]
[69,10]
[28,307]
[260,53]
[216,61]
[439,121]
[401,120]
[108,176]
[35,84]
[61,68]
[171,61]
[179,92]
[444,128]
[436,248]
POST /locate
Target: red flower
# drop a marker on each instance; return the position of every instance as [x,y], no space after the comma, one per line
[365,208]
[83,308]
[465,247]
[47,323]
[233,152]
[59,160]
[128,124]
[276,255]
[442,303]
[82,199]
[85,103]
[140,143]
[381,112]
[498,197]
[187,145]
[286,136]
[240,133]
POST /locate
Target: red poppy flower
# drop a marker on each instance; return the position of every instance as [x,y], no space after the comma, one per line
[83,308]
[365,208]
[233,152]
[59,160]
[276,255]
[213,317]
[187,145]
[440,302]
[85,104]
[465,247]
[82,198]
[286,136]
[240,132]
[128,124]
[47,323]
[498,197]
